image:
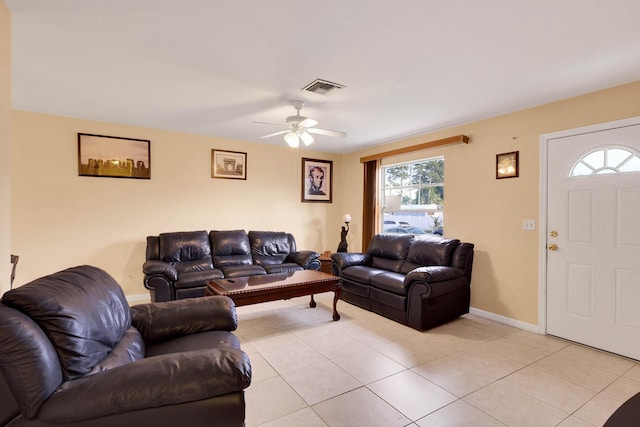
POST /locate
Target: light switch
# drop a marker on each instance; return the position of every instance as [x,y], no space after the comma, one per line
[529,224]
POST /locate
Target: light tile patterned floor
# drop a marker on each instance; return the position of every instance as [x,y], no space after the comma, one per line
[365,370]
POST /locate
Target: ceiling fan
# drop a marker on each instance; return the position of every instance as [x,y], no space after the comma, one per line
[300,128]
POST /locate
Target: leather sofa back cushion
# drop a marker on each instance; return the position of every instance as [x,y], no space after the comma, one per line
[82,310]
[270,247]
[430,251]
[388,251]
[230,247]
[153,248]
[184,246]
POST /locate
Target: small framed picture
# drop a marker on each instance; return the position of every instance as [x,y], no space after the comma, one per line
[228,164]
[507,165]
[113,157]
[317,180]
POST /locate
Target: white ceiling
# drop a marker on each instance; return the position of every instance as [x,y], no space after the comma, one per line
[213,67]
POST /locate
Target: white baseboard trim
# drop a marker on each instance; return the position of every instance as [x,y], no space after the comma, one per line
[138,299]
[503,319]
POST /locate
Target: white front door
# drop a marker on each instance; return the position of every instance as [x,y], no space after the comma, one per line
[593,238]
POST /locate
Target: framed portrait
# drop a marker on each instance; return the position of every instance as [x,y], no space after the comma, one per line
[228,164]
[317,180]
[113,156]
[507,165]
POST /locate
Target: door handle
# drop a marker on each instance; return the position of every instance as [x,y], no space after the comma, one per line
[553,247]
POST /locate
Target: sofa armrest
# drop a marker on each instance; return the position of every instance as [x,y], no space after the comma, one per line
[149,383]
[159,267]
[342,260]
[306,259]
[432,274]
[162,321]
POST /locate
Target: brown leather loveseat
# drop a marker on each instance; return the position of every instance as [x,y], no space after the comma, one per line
[73,353]
[421,282]
[179,264]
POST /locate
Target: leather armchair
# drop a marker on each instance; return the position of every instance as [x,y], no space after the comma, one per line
[73,353]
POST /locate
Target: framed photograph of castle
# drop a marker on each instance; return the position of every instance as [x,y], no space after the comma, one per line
[317,180]
[113,156]
[228,164]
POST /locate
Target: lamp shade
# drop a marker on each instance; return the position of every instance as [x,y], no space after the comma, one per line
[292,139]
[346,218]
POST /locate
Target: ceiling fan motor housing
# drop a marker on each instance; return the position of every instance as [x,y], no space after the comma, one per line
[294,120]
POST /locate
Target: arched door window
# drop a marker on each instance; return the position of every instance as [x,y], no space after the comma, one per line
[607,160]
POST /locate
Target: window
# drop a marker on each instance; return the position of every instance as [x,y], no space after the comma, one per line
[607,160]
[413,196]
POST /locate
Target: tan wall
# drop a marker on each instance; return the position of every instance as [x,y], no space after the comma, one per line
[5,145]
[61,219]
[489,212]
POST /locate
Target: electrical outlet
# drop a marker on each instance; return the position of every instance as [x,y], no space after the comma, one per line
[529,224]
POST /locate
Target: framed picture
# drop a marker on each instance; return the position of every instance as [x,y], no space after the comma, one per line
[113,156]
[317,180]
[228,164]
[507,165]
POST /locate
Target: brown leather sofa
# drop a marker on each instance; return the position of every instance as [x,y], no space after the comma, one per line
[418,281]
[179,264]
[73,353]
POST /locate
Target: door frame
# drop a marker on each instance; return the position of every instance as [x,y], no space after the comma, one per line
[543,212]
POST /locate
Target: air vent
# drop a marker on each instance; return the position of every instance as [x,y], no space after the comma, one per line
[322,87]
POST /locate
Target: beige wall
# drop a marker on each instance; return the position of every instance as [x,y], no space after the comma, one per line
[489,212]
[5,146]
[61,219]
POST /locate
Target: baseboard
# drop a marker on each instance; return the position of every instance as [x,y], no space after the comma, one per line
[138,299]
[506,320]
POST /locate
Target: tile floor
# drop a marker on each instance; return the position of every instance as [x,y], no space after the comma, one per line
[365,370]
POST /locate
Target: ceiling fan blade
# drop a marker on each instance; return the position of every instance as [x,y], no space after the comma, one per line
[306,137]
[327,132]
[306,123]
[282,125]
[274,134]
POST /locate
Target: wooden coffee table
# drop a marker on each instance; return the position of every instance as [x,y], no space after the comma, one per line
[277,286]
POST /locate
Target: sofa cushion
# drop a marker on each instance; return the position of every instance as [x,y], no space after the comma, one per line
[361,273]
[389,251]
[184,246]
[203,264]
[390,281]
[192,342]
[243,270]
[428,251]
[231,260]
[82,310]
[230,247]
[197,278]
[129,349]
[269,247]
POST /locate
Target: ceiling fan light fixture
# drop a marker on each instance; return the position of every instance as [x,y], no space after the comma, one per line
[306,138]
[299,127]
[292,139]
